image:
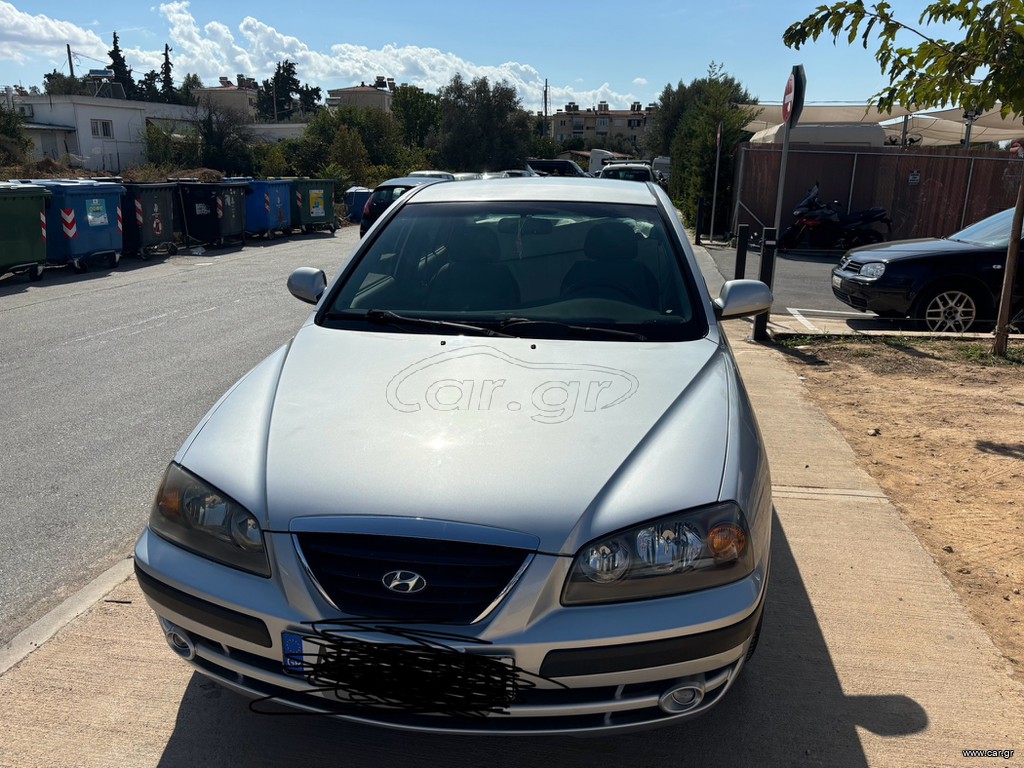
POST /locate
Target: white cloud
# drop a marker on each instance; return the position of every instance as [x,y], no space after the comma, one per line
[24,36]
[641,81]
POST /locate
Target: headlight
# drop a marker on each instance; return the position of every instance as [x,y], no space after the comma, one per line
[874,269]
[685,552]
[200,518]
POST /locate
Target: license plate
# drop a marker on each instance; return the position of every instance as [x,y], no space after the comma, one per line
[837,281]
[415,677]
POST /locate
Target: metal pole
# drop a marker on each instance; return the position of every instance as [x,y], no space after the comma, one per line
[714,194]
[767,276]
[700,215]
[742,238]
[782,178]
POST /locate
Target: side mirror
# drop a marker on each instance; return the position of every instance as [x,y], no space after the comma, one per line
[739,298]
[307,284]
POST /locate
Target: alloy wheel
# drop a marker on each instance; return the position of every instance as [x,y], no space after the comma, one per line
[951,311]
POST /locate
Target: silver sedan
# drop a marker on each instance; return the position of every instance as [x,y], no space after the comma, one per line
[504,479]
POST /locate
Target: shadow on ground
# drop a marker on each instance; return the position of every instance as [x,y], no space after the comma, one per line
[786,709]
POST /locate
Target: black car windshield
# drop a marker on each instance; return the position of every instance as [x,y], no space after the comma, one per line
[544,270]
[993,232]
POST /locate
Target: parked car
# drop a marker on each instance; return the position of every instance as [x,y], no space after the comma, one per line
[949,284]
[468,176]
[385,194]
[504,479]
[629,172]
[555,167]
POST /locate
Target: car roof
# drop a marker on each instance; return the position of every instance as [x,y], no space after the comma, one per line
[409,181]
[545,188]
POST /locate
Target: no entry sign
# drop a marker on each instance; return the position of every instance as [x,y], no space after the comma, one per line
[793,99]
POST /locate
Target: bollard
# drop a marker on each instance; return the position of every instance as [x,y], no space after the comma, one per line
[767,275]
[700,216]
[742,238]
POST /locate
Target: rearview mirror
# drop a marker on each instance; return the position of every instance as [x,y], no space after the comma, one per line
[739,298]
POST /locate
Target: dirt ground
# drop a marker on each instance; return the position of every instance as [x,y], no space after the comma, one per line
[940,426]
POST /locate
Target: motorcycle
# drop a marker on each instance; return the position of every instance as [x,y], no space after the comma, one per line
[821,225]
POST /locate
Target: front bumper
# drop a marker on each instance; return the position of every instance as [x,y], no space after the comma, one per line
[589,669]
[870,295]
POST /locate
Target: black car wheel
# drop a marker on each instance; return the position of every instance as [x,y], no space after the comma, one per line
[949,310]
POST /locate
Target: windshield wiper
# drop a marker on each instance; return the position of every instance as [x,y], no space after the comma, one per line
[387,317]
[588,330]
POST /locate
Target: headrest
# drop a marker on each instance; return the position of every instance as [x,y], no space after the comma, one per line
[474,244]
[610,241]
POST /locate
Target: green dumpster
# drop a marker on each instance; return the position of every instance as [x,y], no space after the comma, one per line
[312,204]
[23,228]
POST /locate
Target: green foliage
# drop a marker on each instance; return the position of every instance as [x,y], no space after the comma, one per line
[482,127]
[189,84]
[167,148]
[269,160]
[148,88]
[122,73]
[168,93]
[348,154]
[225,139]
[14,144]
[986,67]
[699,109]
[275,100]
[417,112]
[58,84]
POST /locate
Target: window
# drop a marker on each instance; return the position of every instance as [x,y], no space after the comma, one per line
[102,128]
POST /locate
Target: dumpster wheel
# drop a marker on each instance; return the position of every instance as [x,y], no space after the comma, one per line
[78,266]
[113,259]
[35,272]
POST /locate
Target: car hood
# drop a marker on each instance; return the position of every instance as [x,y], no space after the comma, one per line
[564,440]
[909,249]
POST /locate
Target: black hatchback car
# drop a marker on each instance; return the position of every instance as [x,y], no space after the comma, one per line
[949,284]
[385,194]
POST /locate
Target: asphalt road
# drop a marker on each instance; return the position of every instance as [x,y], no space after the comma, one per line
[102,376]
[801,282]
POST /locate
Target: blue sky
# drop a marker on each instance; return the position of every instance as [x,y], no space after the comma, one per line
[615,52]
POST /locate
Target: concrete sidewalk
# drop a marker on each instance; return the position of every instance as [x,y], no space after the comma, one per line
[867,657]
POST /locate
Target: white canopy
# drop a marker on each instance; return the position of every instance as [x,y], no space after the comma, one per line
[933,129]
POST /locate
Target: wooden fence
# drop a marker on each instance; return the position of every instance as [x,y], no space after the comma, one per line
[928,192]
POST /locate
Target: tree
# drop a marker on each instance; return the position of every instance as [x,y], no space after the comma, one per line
[482,127]
[190,83]
[58,84]
[418,113]
[225,141]
[979,72]
[122,73]
[168,93]
[148,88]
[277,97]
[696,142]
[14,144]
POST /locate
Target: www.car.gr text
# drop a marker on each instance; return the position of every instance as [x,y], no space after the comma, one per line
[1006,754]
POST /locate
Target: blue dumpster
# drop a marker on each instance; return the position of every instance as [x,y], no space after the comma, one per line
[83,223]
[355,200]
[268,209]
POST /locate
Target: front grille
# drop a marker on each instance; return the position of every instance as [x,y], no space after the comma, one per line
[462,578]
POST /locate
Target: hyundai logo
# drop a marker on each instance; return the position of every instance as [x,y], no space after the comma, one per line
[406,582]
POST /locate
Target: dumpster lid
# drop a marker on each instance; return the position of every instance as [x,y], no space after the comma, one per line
[22,188]
[84,185]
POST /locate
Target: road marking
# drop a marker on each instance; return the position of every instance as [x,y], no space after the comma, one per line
[806,324]
[828,312]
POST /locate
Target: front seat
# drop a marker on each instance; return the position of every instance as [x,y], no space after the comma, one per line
[611,270]
[473,278]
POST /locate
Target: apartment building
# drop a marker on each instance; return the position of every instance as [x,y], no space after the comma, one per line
[600,122]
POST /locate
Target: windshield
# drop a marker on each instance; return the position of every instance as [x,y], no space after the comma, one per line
[629,174]
[545,270]
[992,232]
